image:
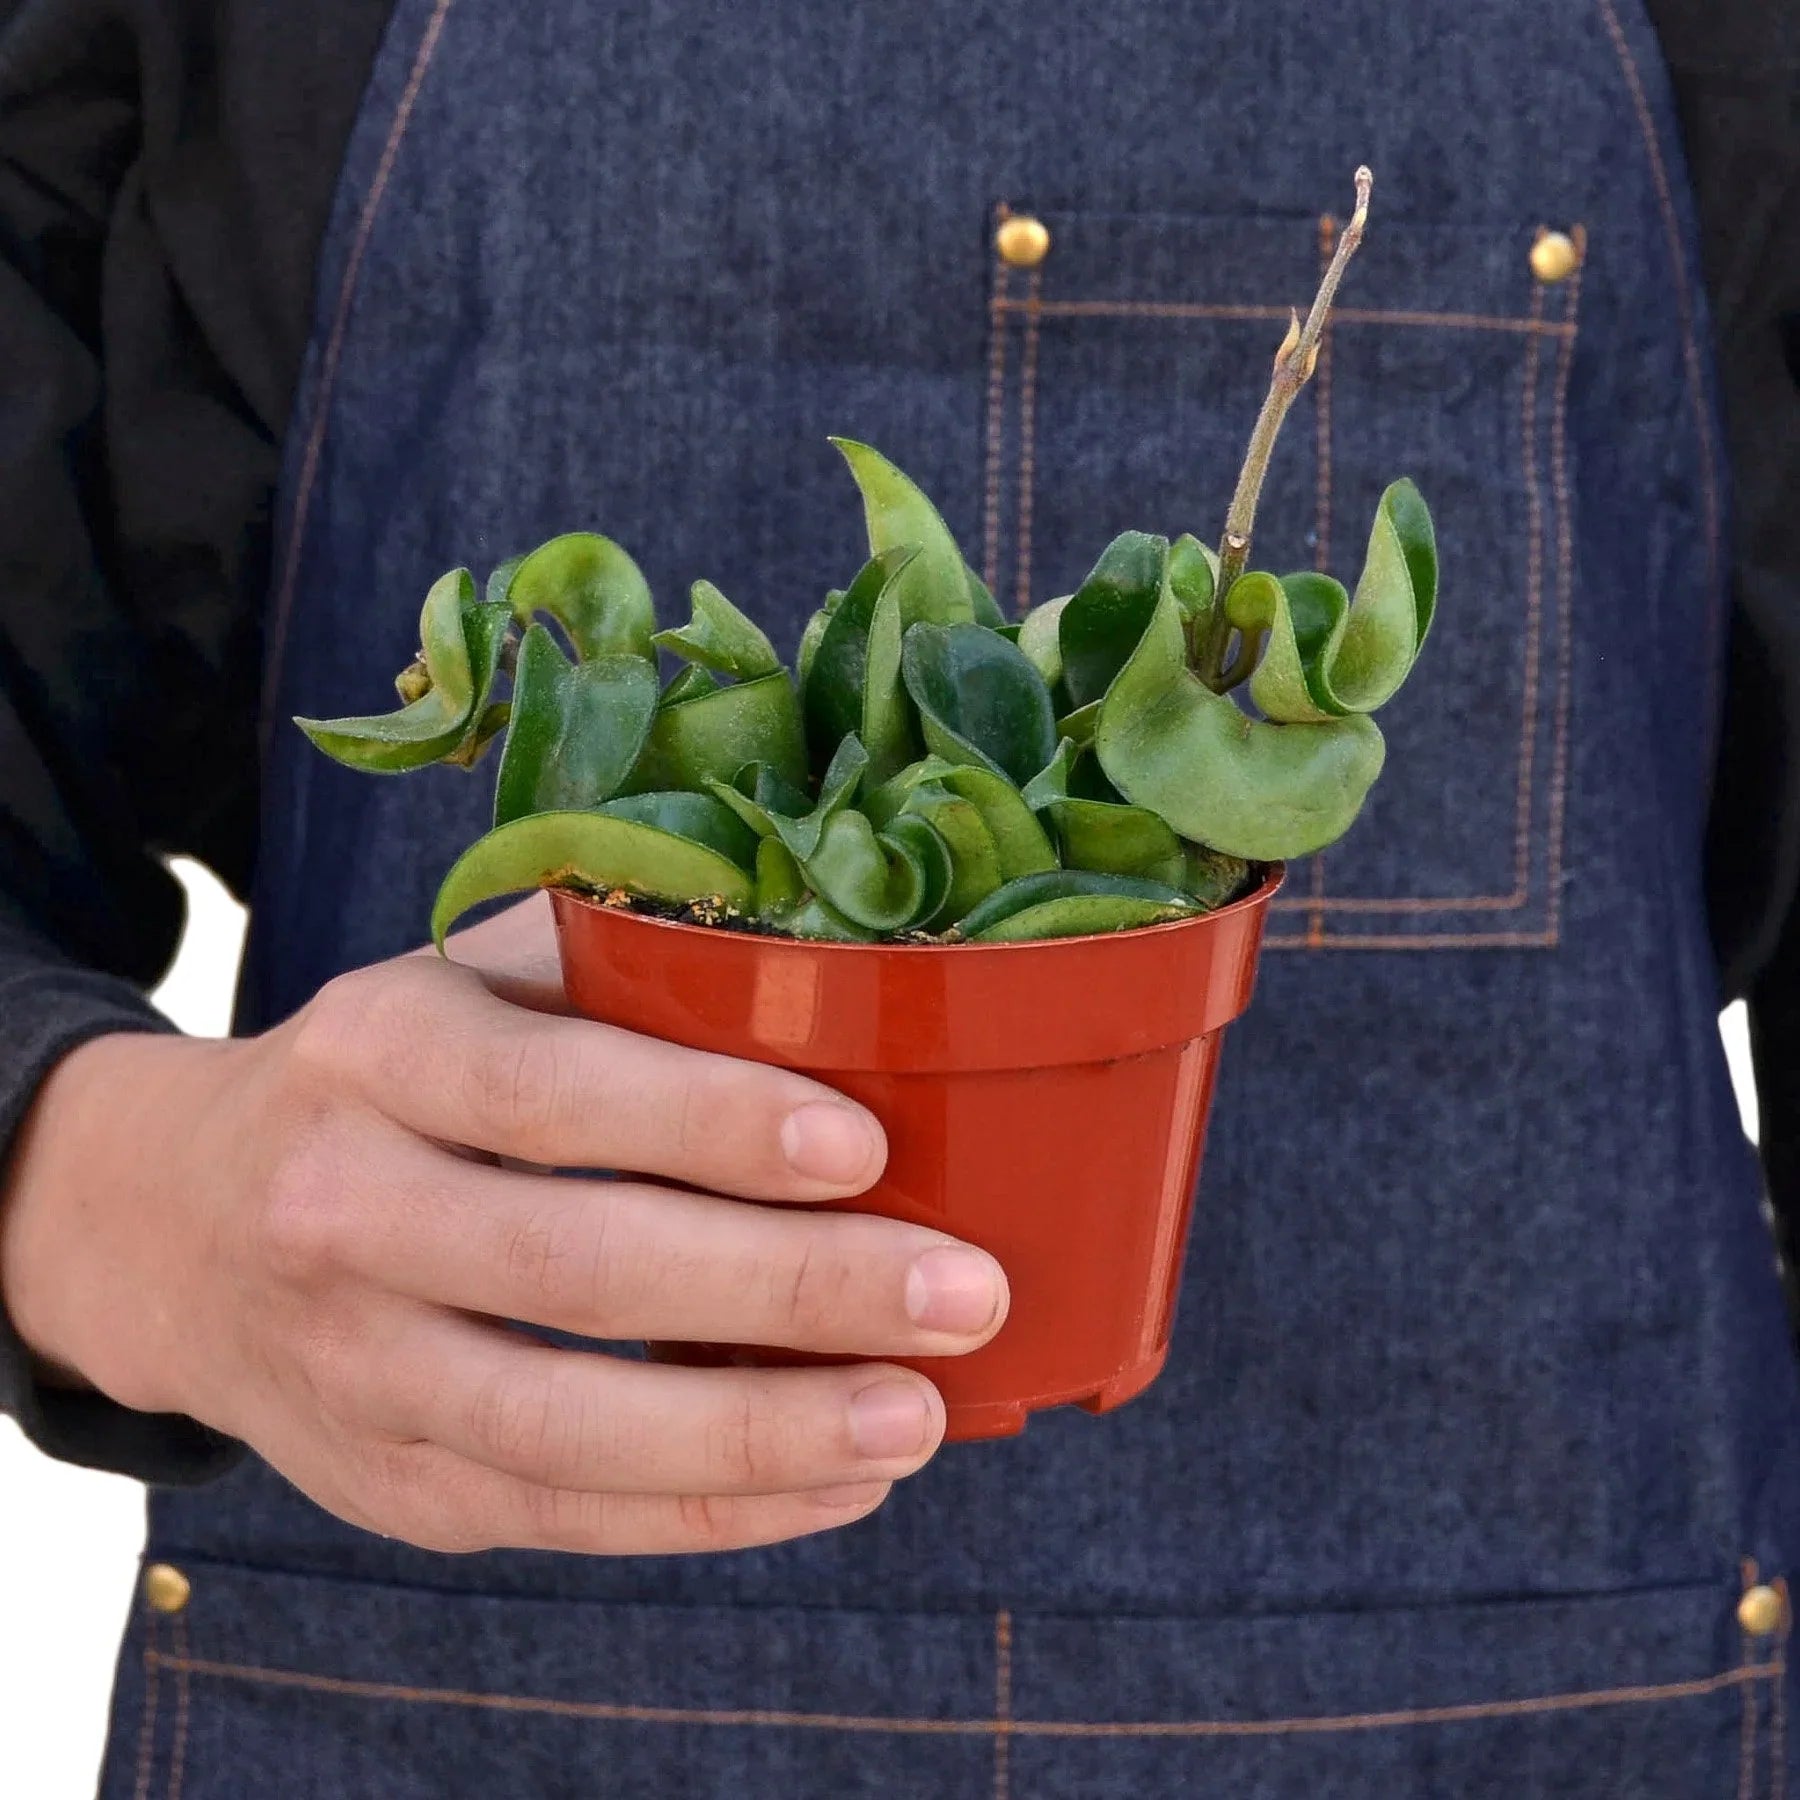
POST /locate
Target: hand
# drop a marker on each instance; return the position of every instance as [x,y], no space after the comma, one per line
[306,1240]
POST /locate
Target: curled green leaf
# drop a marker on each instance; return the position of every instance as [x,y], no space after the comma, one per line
[577,728]
[1245,786]
[980,700]
[885,881]
[588,849]
[721,638]
[591,588]
[700,818]
[853,679]
[938,584]
[1072,903]
[1104,836]
[1106,615]
[712,736]
[460,641]
[1329,653]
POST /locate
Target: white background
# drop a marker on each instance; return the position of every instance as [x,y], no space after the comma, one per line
[70,1539]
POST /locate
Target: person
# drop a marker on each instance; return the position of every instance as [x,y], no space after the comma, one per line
[1476,1467]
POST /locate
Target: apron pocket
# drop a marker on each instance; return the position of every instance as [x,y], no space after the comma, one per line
[1126,370]
[288,1687]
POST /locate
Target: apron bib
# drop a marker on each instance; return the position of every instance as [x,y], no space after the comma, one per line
[1481,1414]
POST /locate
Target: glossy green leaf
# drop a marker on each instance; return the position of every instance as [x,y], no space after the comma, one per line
[937,586]
[1072,903]
[1106,615]
[1020,842]
[986,608]
[589,849]
[1254,789]
[888,731]
[577,728]
[712,736]
[1051,782]
[1078,726]
[813,918]
[700,818]
[500,580]
[1106,837]
[460,640]
[1193,570]
[772,807]
[780,887]
[883,882]
[1330,653]
[974,858]
[1212,877]
[592,589]
[721,638]
[1040,638]
[979,698]
[860,640]
[690,684]
[810,640]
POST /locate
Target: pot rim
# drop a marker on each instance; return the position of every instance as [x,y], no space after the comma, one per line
[1274,874]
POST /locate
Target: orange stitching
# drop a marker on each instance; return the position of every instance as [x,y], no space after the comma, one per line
[1690,350]
[178,1756]
[1002,1704]
[1401,903]
[1347,315]
[996,414]
[1747,1731]
[1778,1781]
[333,355]
[1565,604]
[1028,439]
[1534,606]
[1657,1694]
[1480,940]
[147,1722]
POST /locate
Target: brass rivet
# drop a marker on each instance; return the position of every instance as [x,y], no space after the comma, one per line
[166,1588]
[1761,1611]
[1022,241]
[1554,257]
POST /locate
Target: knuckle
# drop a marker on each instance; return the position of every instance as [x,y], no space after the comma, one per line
[811,1294]
[710,1521]
[305,1217]
[332,1361]
[745,1453]
[551,1258]
[535,1428]
[334,1028]
[517,1082]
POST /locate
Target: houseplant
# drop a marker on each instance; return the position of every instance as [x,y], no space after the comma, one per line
[983,877]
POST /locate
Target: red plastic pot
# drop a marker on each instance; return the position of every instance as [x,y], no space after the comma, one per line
[1046,1101]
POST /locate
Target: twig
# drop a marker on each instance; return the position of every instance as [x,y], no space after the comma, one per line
[1294,364]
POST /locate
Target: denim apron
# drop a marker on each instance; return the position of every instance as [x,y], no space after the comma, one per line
[1475,1467]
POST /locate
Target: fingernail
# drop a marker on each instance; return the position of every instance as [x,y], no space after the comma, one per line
[889,1419]
[954,1289]
[852,1498]
[824,1142]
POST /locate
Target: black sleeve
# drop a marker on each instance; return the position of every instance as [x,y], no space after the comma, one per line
[1736,70]
[166,167]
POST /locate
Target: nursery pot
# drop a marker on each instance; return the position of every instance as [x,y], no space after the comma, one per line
[1046,1101]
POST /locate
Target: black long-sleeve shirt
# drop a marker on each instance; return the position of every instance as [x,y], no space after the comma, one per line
[166,168]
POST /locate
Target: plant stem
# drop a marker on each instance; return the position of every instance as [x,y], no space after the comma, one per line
[1294,363]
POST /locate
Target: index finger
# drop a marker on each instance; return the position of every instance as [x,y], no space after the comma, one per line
[453,1062]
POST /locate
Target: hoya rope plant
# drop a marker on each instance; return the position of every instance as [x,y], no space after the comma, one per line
[929,771]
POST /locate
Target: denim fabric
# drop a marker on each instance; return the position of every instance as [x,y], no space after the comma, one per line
[1481,1395]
